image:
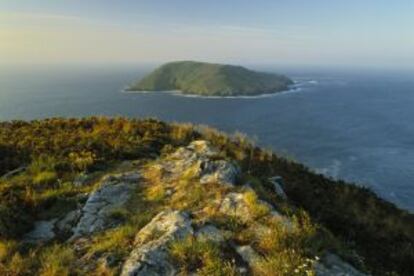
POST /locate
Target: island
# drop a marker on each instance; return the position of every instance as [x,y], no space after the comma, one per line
[209,79]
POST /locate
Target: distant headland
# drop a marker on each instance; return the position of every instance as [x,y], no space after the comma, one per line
[209,79]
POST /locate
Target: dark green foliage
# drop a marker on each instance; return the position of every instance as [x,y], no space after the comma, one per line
[13,220]
[209,79]
[379,231]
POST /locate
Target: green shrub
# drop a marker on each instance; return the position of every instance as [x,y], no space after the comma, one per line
[45,178]
[7,247]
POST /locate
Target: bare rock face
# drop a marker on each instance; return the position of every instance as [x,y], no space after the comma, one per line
[111,195]
[150,256]
[43,231]
[210,233]
[200,156]
[234,205]
[66,224]
[219,171]
[46,230]
[248,254]
[332,265]
[277,182]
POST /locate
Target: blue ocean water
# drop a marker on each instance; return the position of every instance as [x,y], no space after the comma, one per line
[357,126]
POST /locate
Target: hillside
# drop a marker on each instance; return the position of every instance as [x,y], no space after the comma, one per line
[210,79]
[116,196]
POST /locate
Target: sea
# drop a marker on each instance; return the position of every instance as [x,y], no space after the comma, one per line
[350,124]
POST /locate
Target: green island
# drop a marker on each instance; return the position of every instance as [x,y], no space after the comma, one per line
[117,196]
[208,79]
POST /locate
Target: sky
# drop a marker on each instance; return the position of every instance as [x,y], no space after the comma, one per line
[291,32]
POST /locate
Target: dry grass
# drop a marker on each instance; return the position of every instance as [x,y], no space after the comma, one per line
[258,209]
[202,257]
[57,260]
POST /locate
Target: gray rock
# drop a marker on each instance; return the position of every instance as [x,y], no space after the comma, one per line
[150,255]
[46,230]
[277,182]
[219,171]
[66,224]
[43,231]
[198,156]
[234,205]
[210,233]
[332,265]
[248,254]
[110,196]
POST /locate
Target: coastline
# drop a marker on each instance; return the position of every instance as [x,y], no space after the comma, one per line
[296,87]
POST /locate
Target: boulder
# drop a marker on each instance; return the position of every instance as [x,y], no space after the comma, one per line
[248,254]
[46,230]
[210,233]
[150,255]
[113,193]
[43,231]
[219,171]
[66,224]
[201,157]
[277,183]
[332,265]
[234,205]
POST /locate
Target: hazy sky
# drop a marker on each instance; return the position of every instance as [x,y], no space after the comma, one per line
[327,32]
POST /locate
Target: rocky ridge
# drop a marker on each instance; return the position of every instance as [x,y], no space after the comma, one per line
[202,221]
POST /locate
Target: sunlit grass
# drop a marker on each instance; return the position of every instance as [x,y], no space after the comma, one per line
[202,257]
[57,260]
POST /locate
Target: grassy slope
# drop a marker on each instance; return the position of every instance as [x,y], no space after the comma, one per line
[60,148]
[211,79]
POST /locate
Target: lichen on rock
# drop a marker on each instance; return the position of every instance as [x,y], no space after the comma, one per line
[113,193]
[150,254]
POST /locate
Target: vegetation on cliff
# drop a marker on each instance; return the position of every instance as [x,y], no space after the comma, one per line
[53,154]
[210,79]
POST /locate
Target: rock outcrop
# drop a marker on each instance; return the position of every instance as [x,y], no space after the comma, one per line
[277,182]
[210,233]
[150,253]
[205,162]
[248,254]
[94,216]
[234,205]
[150,256]
[113,193]
[43,231]
[332,265]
